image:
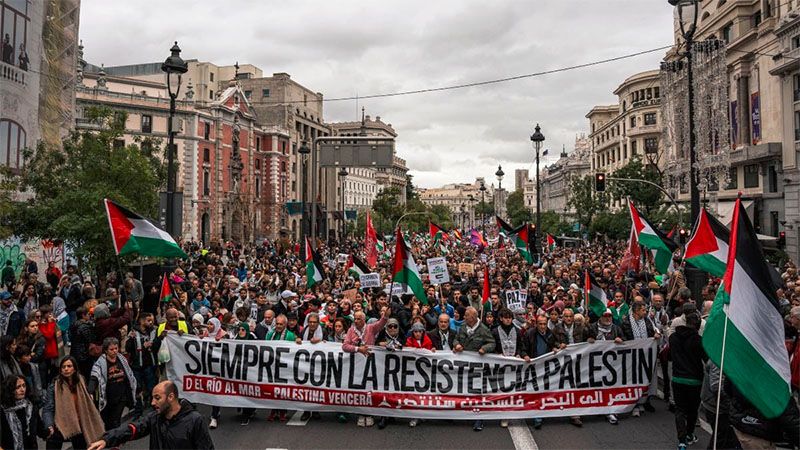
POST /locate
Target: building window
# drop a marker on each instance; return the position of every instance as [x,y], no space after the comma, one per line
[14,25]
[147,123]
[633,121]
[206,183]
[211,94]
[713,184]
[656,92]
[751,176]
[247,94]
[733,178]
[650,119]
[258,143]
[12,142]
[772,178]
[265,92]
[258,187]
[211,76]
[118,144]
[206,155]
[797,125]
[206,130]
[727,32]
[258,164]
[651,145]
[634,144]
[774,220]
[795,42]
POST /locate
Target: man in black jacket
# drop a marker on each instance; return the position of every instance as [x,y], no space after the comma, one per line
[443,336]
[537,341]
[688,356]
[174,424]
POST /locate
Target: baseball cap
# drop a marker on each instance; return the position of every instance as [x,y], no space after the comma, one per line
[288,294]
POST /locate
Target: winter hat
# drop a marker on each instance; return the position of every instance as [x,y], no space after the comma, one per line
[417,327]
[197,317]
[101,311]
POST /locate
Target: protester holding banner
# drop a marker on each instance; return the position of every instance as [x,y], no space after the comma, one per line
[359,338]
[474,336]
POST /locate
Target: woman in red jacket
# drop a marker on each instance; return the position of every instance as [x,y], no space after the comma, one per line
[418,338]
[52,335]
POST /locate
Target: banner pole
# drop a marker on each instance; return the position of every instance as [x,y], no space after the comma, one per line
[721,374]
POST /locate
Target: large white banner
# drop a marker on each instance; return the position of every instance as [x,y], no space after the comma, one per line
[583,379]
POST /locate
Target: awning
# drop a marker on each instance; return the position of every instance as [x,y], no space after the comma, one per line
[724,211]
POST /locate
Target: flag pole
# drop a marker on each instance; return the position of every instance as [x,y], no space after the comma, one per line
[721,374]
[391,286]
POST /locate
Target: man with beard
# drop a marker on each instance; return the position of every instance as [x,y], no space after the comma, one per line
[605,330]
[567,333]
[474,336]
[537,341]
[507,339]
[173,424]
[142,356]
[443,336]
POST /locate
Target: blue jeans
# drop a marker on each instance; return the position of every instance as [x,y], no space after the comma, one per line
[145,382]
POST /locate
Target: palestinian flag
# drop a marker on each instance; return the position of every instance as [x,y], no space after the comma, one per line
[437,232]
[653,239]
[632,257]
[355,267]
[485,293]
[504,228]
[166,290]
[314,268]
[707,249]
[370,242]
[132,233]
[746,316]
[405,271]
[595,297]
[522,242]
[551,242]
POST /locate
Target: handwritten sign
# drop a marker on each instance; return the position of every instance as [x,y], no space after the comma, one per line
[466,268]
[342,258]
[437,269]
[516,299]
[350,294]
[370,280]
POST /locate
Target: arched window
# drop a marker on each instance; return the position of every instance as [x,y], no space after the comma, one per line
[12,142]
[206,183]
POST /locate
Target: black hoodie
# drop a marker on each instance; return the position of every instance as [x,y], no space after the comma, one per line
[187,429]
[688,356]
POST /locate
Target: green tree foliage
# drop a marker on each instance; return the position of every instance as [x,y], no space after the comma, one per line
[611,225]
[645,196]
[554,223]
[584,200]
[69,183]
[518,213]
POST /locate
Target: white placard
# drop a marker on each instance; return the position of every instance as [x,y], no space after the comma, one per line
[370,280]
[437,269]
[342,258]
[514,300]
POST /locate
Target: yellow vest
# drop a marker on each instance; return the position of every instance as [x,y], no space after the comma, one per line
[181,326]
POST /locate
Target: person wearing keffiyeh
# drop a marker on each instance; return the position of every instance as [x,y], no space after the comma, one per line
[19,419]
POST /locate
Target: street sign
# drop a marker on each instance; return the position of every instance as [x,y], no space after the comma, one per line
[356,152]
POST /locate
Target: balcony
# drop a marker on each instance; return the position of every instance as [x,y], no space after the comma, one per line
[12,74]
[644,129]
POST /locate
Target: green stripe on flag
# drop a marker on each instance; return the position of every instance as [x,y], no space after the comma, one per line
[152,247]
[709,263]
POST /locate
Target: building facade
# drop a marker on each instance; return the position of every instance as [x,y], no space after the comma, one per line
[559,175]
[461,199]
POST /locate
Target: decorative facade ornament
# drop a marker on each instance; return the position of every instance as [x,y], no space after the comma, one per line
[190,90]
[101,79]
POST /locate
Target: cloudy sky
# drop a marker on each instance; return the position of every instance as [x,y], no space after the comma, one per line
[346,48]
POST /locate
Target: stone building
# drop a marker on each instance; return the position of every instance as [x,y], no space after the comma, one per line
[557,177]
[461,199]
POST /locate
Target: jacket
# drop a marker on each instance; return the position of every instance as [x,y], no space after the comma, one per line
[615,332]
[688,356]
[15,322]
[413,343]
[793,346]
[481,338]
[30,429]
[498,347]
[627,328]
[579,333]
[187,429]
[81,334]
[109,326]
[747,419]
[530,340]
[437,341]
[371,331]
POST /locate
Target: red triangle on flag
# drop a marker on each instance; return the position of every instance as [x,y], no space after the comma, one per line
[703,240]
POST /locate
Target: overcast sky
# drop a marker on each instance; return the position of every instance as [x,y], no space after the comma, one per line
[347,48]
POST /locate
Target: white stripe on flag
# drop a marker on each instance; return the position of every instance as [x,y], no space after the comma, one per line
[143,228]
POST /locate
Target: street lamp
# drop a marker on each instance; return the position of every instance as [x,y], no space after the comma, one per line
[463,216]
[174,67]
[499,174]
[687,16]
[471,199]
[304,151]
[343,174]
[537,138]
[483,208]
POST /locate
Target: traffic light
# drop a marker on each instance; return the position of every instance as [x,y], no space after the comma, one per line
[600,182]
[683,233]
[782,239]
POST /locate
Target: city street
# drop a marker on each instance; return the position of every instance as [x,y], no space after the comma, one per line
[650,431]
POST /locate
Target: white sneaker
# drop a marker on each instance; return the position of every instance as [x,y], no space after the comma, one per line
[362,421]
[369,421]
[612,419]
[413,422]
[504,423]
[212,424]
[636,412]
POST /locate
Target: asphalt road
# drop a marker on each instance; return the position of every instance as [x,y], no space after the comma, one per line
[650,431]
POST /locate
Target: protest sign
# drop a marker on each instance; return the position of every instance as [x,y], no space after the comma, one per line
[583,379]
[342,258]
[350,294]
[437,269]
[370,280]
[514,300]
[466,268]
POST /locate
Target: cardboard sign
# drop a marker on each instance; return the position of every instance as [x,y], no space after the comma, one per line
[342,258]
[516,299]
[466,268]
[397,289]
[350,294]
[437,269]
[332,263]
[370,280]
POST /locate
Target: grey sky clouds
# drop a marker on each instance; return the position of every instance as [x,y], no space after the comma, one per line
[345,48]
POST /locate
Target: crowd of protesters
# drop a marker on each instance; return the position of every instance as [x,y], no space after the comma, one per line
[77,352]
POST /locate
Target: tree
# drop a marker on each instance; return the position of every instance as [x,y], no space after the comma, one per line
[554,223]
[611,225]
[69,183]
[410,191]
[583,200]
[645,196]
[518,213]
[442,215]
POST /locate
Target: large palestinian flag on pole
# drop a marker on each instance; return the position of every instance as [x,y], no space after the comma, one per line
[504,228]
[595,296]
[404,269]
[522,242]
[653,239]
[551,242]
[707,249]
[132,233]
[314,269]
[744,332]
[437,232]
[355,267]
